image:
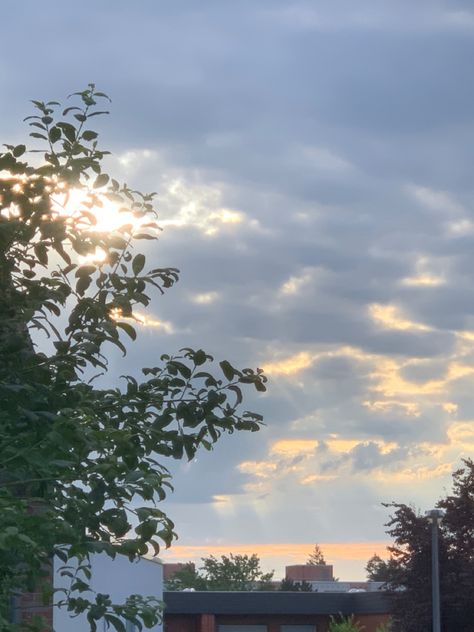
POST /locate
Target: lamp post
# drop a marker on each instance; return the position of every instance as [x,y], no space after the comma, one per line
[435,516]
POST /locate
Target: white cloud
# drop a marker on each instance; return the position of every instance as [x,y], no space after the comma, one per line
[205,298]
[431,199]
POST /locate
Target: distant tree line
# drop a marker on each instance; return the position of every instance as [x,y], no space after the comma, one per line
[231,573]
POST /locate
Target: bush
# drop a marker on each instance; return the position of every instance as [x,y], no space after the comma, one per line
[347,624]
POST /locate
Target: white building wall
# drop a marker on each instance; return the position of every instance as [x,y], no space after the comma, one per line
[118,578]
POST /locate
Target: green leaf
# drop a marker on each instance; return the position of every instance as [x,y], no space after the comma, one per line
[85,271]
[54,134]
[19,150]
[82,284]
[238,393]
[227,369]
[70,109]
[143,236]
[89,135]
[101,180]
[128,329]
[42,253]
[117,242]
[69,131]
[200,357]
[184,370]
[36,135]
[138,264]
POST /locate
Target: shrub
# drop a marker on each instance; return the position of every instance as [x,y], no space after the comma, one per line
[345,624]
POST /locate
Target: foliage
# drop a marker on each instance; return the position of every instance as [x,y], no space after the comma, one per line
[186,577]
[316,557]
[385,627]
[81,466]
[344,624]
[411,570]
[229,573]
[379,570]
[289,585]
[235,572]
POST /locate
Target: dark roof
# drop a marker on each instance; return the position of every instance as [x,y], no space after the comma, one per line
[277,602]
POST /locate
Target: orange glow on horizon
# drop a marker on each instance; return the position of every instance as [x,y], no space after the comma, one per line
[280,554]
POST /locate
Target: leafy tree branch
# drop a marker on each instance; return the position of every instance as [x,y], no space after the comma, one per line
[81,467]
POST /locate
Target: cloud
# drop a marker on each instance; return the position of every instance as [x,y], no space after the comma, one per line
[145,320]
[388,316]
[435,200]
[204,298]
[313,174]
[326,17]
[423,280]
[290,365]
[297,284]
[415,473]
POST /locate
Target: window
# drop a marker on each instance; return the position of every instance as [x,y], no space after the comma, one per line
[294,627]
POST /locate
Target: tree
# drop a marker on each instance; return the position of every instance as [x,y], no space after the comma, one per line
[411,553]
[316,557]
[235,572]
[379,570]
[81,468]
[229,573]
[186,577]
[289,585]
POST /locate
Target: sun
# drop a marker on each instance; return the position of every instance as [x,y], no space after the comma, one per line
[94,211]
[88,210]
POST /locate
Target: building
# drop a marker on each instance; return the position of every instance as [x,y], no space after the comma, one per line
[117,577]
[321,579]
[310,572]
[271,611]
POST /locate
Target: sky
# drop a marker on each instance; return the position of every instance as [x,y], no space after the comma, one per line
[313,162]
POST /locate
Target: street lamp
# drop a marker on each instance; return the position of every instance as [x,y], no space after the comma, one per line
[435,516]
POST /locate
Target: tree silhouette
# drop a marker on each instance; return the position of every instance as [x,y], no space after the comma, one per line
[410,567]
[316,557]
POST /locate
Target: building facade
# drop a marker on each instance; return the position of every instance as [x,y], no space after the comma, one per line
[271,611]
[118,578]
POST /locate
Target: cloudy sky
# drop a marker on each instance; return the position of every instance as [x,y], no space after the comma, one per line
[313,162]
